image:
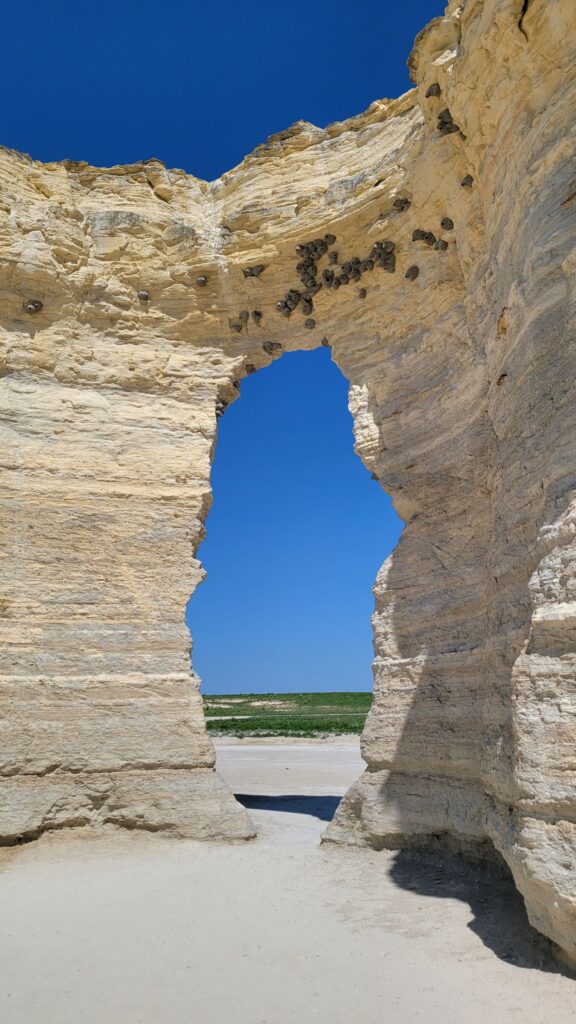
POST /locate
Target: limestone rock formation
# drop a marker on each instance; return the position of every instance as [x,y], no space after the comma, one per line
[133,300]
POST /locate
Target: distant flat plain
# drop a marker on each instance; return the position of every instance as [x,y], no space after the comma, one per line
[287,714]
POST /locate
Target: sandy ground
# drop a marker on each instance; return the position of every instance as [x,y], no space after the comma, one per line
[136,929]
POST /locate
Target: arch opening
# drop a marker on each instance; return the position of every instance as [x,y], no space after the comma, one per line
[295,537]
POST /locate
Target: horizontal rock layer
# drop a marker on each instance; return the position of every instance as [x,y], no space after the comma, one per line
[133,300]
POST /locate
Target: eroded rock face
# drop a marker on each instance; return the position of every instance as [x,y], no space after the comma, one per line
[134,300]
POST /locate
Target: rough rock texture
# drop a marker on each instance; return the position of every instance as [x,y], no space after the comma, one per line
[462,389]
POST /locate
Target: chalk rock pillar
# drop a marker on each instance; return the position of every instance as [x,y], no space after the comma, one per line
[102,720]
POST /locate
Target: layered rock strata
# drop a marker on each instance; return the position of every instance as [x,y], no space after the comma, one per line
[430,243]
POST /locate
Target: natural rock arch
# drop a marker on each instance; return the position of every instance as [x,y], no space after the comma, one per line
[118,357]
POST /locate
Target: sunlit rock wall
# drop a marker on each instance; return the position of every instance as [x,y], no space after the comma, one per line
[133,301]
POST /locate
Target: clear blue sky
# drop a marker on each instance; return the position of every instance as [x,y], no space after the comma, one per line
[295,537]
[197,83]
[298,529]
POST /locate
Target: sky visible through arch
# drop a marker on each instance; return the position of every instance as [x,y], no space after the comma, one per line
[298,529]
[295,537]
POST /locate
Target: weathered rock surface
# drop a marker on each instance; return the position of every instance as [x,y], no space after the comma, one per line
[134,299]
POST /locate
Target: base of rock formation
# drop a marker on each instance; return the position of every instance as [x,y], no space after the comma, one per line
[191,803]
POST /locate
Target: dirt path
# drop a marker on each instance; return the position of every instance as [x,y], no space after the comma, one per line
[134,929]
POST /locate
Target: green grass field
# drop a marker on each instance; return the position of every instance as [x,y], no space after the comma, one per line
[286,714]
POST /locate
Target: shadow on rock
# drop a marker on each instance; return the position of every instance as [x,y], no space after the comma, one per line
[500,918]
[318,806]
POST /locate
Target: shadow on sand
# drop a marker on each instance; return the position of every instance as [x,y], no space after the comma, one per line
[499,914]
[318,806]
[500,918]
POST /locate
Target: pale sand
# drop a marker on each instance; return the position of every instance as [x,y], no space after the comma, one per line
[135,929]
